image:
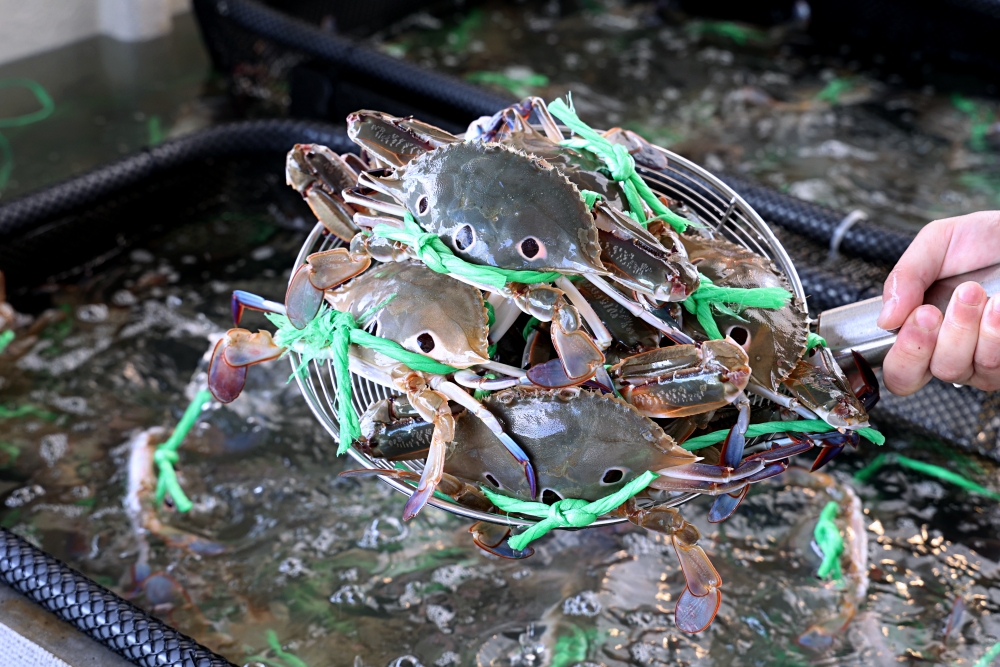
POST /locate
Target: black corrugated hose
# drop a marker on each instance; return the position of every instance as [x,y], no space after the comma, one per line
[866,239]
[446,92]
[218,142]
[97,612]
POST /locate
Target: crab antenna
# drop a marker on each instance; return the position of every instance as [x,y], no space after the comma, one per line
[242,300]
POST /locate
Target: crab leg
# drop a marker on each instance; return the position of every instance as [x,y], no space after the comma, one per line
[670,332]
[457,394]
[601,334]
[469,379]
[322,271]
[242,300]
[787,402]
[506,312]
[232,355]
[355,196]
[700,601]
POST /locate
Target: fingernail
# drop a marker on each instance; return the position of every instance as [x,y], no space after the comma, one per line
[927,317]
[886,313]
[970,293]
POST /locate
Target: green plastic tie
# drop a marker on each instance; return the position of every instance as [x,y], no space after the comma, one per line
[590,197]
[333,331]
[12,412]
[768,428]
[529,327]
[289,659]
[166,454]
[491,318]
[518,85]
[992,654]
[709,296]
[438,257]
[928,469]
[566,513]
[5,339]
[43,97]
[832,91]
[620,166]
[813,340]
[830,542]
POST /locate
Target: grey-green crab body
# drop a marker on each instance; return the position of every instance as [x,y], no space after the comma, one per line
[423,311]
[582,444]
[499,207]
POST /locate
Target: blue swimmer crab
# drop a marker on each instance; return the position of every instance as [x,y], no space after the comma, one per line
[585,445]
[503,205]
[775,340]
[449,326]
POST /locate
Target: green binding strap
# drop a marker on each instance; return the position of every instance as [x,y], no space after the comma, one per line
[708,296]
[767,428]
[813,340]
[5,339]
[566,513]
[620,165]
[929,469]
[438,257]
[992,654]
[827,536]
[332,332]
[166,455]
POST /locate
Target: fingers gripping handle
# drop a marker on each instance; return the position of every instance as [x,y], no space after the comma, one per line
[854,326]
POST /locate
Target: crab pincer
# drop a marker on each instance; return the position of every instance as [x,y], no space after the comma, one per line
[319,175]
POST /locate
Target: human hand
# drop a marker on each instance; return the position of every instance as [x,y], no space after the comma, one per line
[963,344]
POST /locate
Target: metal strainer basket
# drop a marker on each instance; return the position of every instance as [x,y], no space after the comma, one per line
[715,204]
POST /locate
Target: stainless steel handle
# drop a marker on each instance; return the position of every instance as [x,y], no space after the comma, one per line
[853,327]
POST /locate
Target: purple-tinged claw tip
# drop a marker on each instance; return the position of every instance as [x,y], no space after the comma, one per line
[416,502]
[529,472]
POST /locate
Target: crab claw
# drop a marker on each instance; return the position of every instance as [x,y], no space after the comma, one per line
[233,354]
[863,382]
[322,271]
[319,175]
[395,141]
[492,538]
[577,351]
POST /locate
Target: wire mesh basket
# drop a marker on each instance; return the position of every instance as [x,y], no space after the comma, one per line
[711,200]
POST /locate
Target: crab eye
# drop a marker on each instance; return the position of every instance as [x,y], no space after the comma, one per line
[491,479]
[740,335]
[612,476]
[464,237]
[531,248]
[423,205]
[426,342]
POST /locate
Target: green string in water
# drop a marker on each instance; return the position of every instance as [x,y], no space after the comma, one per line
[332,332]
[827,536]
[166,454]
[709,296]
[813,340]
[929,469]
[768,428]
[11,412]
[992,654]
[438,257]
[620,165]
[566,513]
[5,339]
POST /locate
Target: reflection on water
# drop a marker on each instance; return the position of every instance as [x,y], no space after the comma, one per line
[732,98]
[277,542]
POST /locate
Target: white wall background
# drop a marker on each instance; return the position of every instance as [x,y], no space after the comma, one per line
[28,27]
